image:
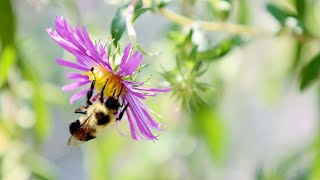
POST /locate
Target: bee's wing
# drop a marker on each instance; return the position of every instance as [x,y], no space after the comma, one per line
[73,140]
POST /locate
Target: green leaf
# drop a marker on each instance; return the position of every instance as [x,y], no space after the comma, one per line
[310,72]
[38,100]
[188,39]
[280,14]
[118,24]
[138,5]
[193,54]
[102,153]
[41,112]
[315,170]
[259,174]
[7,37]
[40,167]
[244,12]
[301,9]
[138,13]
[163,4]
[146,52]
[7,60]
[297,55]
[212,129]
[219,50]
[220,9]
[7,24]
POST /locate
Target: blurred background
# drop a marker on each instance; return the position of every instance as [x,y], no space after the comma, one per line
[244,103]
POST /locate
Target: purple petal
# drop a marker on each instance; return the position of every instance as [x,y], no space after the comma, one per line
[139,116]
[132,91]
[142,110]
[79,35]
[132,64]
[124,59]
[132,126]
[153,89]
[75,85]
[143,128]
[85,61]
[69,34]
[76,42]
[78,95]
[69,46]
[91,49]
[71,65]
[76,76]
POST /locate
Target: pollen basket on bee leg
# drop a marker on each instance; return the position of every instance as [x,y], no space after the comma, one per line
[103,77]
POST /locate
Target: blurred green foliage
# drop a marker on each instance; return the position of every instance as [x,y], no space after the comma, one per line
[118,25]
[310,72]
[19,159]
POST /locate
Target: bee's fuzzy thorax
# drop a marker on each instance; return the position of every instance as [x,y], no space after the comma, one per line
[98,107]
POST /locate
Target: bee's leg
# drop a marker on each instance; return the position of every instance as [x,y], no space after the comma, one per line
[122,112]
[120,91]
[90,92]
[102,91]
[114,92]
[81,110]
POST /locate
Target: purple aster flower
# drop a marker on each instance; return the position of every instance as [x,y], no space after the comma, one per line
[88,55]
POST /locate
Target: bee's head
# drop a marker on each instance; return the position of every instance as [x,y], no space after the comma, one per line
[112,103]
[74,126]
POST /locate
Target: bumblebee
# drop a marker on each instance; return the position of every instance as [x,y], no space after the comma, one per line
[95,116]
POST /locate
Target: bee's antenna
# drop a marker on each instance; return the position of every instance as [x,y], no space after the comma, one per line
[93,72]
[90,92]
[104,86]
[102,91]
[114,92]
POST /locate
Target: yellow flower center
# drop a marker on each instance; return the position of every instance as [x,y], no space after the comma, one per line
[103,76]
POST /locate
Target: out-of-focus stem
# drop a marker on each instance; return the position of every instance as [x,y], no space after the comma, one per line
[212,26]
[129,13]
[228,27]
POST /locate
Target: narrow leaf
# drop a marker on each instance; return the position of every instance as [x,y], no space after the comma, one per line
[138,13]
[118,24]
[212,129]
[297,55]
[310,72]
[7,60]
[38,101]
[301,9]
[7,23]
[219,50]
[278,13]
[244,12]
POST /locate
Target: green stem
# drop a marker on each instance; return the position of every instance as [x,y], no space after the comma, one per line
[228,27]
[211,26]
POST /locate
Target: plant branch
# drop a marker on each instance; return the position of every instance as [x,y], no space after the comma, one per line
[212,26]
[229,27]
[130,9]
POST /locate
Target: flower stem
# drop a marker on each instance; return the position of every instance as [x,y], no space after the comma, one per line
[212,26]
[130,9]
[229,27]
